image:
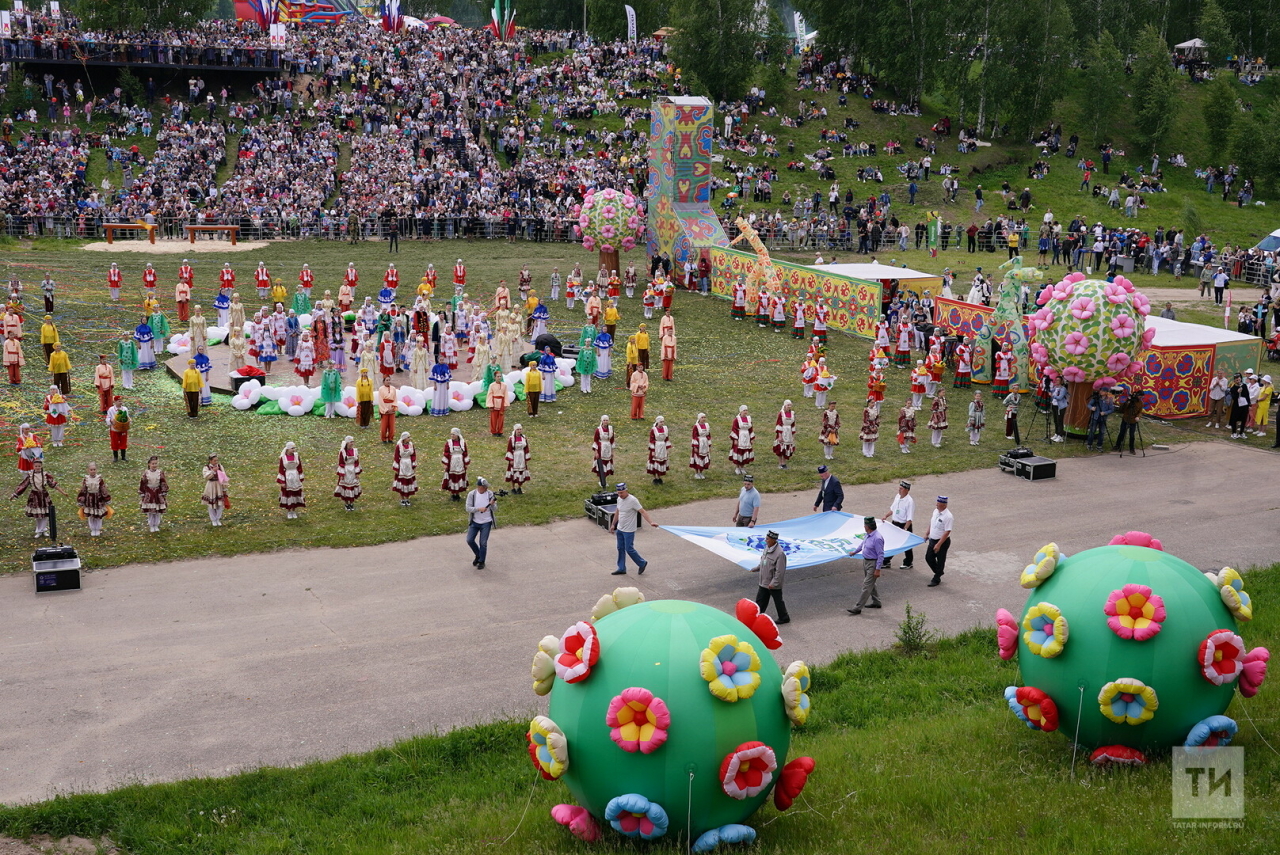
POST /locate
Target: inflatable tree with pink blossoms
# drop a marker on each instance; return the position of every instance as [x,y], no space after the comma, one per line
[609,221]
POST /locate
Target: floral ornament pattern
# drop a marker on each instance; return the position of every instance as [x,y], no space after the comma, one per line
[791,781]
[548,747]
[1134,612]
[1255,671]
[1214,731]
[1033,707]
[1231,587]
[1088,329]
[1128,701]
[1044,630]
[1006,634]
[1221,657]
[733,833]
[577,820]
[619,599]
[635,816]
[544,665]
[1041,567]
[748,770]
[795,687]
[1117,755]
[579,652]
[749,614]
[1082,308]
[638,721]
[731,668]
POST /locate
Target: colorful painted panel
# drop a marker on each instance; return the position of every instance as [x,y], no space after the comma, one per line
[1237,356]
[681,222]
[855,303]
[1176,382]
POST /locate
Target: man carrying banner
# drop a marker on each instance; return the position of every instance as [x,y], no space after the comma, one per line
[772,569]
[872,552]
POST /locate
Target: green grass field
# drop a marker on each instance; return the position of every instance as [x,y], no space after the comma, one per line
[918,753]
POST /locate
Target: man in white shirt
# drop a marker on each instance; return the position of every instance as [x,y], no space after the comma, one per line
[481,504]
[901,513]
[625,521]
[1217,398]
[935,555]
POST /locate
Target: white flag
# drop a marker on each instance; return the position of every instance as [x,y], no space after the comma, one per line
[801,30]
[631,23]
[6,24]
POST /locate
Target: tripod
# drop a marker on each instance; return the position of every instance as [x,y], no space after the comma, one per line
[1137,430]
[1040,415]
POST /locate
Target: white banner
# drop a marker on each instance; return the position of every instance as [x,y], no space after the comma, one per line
[55,9]
[19,7]
[277,35]
[6,24]
[631,23]
[801,29]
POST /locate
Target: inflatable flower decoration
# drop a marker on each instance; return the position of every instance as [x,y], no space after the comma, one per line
[1088,329]
[609,220]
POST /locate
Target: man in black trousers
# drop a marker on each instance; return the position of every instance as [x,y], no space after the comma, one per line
[830,493]
[935,553]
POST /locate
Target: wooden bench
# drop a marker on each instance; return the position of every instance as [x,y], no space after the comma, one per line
[233,231]
[110,229]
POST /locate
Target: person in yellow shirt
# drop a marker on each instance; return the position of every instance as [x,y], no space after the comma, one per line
[633,357]
[49,336]
[60,368]
[192,381]
[642,346]
[279,294]
[532,387]
[611,318]
[364,399]
[530,304]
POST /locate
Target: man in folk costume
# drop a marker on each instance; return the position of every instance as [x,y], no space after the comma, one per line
[182,298]
[784,435]
[821,314]
[642,346]
[306,280]
[37,483]
[153,493]
[799,320]
[870,431]
[902,348]
[387,410]
[351,277]
[49,336]
[391,279]
[659,450]
[964,365]
[668,353]
[497,397]
[938,418]
[1003,381]
[518,457]
[459,275]
[595,310]
[14,358]
[149,280]
[809,376]
[553,285]
[823,383]
[104,380]
[226,278]
[502,296]
[602,450]
[919,383]
[404,469]
[742,441]
[667,324]
[455,459]
[348,488]
[118,423]
[524,282]
[346,297]
[639,385]
[57,411]
[114,280]
[289,476]
[906,428]
[738,309]
[700,447]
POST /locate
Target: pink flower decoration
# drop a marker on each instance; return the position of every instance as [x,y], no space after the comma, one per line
[1148,336]
[1104,383]
[1076,343]
[1123,326]
[1073,277]
[577,820]
[1063,290]
[1039,353]
[609,193]
[588,243]
[576,210]
[1073,374]
[607,247]
[1134,369]
[1134,612]
[608,212]
[629,201]
[628,243]
[1255,671]
[607,231]
[1221,657]
[633,222]
[579,652]
[1114,293]
[1124,283]
[1082,308]
[1118,362]
[1042,319]
[638,720]
[1006,633]
[1136,538]
[1141,303]
[1044,296]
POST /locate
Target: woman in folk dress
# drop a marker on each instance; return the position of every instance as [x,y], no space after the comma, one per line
[870,431]
[829,431]
[215,495]
[977,419]
[306,359]
[784,435]
[742,441]
[94,499]
[404,465]
[602,450]
[153,493]
[290,476]
[348,471]
[37,483]
[938,417]
[700,447]
[659,450]
[518,455]
[455,459]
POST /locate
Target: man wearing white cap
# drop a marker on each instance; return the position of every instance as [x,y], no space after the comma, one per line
[481,504]
[935,554]
[626,519]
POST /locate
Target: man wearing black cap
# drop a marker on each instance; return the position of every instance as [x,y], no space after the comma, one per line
[872,552]
[935,554]
[625,521]
[830,493]
[901,513]
[748,508]
[772,568]
[481,504]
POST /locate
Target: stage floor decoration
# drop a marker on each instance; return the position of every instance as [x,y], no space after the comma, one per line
[807,541]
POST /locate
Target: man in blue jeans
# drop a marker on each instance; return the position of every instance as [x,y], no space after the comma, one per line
[480,507]
[626,517]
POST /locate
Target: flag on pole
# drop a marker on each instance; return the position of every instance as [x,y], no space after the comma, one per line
[502,20]
[807,541]
[631,23]
[392,20]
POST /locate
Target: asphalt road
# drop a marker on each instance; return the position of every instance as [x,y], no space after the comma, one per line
[211,666]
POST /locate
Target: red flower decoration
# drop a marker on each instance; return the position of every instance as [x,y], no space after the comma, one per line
[579,652]
[1121,755]
[748,770]
[791,781]
[761,624]
[1006,633]
[576,819]
[1221,657]
[1136,538]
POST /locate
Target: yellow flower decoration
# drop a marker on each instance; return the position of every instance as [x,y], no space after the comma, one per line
[1044,630]
[619,599]
[731,668]
[795,687]
[548,747]
[1128,701]
[544,665]
[1231,588]
[1041,567]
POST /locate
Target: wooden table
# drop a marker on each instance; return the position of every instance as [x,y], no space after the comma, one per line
[233,231]
[110,229]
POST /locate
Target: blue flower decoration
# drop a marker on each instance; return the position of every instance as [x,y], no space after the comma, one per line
[724,834]
[1216,730]
[635,816]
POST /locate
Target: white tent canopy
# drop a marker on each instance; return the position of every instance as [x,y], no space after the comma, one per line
[1270,243]
[1178,334]
[875,272]
[1193,43]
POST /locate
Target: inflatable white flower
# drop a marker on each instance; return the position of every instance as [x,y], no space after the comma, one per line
[179,344]
[248,395]
[410,401]
[272,393]
[216,335]
[298,400]
[513,377]
[346,406]
[460,399]
[564,371]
